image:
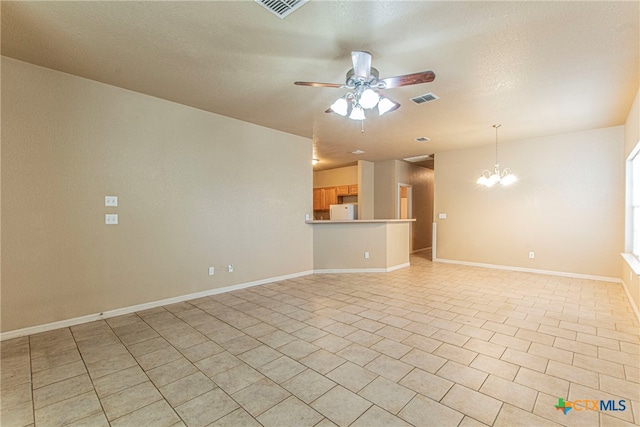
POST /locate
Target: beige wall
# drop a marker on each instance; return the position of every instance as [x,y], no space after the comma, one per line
[567,206]
[421,181]
[398,235]
[332,177]
[385,190]
[195,190]
[341,245]
[390,173]
[632,127]
[366,193]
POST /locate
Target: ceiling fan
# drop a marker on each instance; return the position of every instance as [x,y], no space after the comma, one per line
[364,81]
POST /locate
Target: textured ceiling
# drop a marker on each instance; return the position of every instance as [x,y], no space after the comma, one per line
[538,68]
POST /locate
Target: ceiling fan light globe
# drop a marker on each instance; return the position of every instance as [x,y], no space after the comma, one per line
[385,105]
[340,106]
[357,113]
[369,98]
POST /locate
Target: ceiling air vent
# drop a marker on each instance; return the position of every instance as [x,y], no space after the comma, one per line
[427,97]
[417,159]
[282,8]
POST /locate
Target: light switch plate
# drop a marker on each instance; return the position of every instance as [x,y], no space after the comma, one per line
[442,216]
[110,200]
[111,219]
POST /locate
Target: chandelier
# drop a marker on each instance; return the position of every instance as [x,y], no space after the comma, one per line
[363,97]
[490,179]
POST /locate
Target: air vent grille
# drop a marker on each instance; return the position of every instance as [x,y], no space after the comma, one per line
[417,159]
[427,97]
[282,8]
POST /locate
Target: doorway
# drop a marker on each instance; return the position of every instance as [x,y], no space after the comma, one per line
[404,201]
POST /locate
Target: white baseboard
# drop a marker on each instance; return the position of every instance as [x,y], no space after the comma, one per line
[360,270]
[399,266]
[532,270]
[132,309]
[634,265]
[634,307]
[420,250]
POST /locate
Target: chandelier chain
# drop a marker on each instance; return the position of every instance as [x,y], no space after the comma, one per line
[496,126]
[504,177]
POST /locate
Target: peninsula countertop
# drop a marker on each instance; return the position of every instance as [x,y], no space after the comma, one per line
[360,246]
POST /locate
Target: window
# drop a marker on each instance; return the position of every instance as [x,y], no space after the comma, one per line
[635,203]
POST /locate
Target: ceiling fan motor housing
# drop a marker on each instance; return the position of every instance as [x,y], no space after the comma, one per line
[354,81]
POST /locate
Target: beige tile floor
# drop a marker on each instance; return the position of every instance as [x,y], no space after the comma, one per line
[429,345]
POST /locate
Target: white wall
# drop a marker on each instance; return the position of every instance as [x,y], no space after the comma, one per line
[567,207]
[195,190]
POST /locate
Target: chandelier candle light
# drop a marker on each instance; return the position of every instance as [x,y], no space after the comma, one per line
[490,179]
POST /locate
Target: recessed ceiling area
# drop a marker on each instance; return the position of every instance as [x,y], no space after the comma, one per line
[538,68]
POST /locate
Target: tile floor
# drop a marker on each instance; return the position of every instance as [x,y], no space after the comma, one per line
[429,345]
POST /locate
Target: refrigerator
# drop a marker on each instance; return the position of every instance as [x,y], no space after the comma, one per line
[343,212]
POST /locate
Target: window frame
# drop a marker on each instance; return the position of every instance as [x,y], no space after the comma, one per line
[634,201]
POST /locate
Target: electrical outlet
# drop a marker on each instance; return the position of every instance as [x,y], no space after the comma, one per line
[366,255]
[230,268]
[111,219]
[110,200]
[212,271]
[532,255]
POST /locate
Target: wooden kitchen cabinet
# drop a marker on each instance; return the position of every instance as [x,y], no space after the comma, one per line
[324,197]
[342,190]
[330,197]
[318,199]
[327,196]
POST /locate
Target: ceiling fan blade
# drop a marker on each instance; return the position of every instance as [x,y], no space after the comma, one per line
[407,79]
[316,84]
[361,64]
